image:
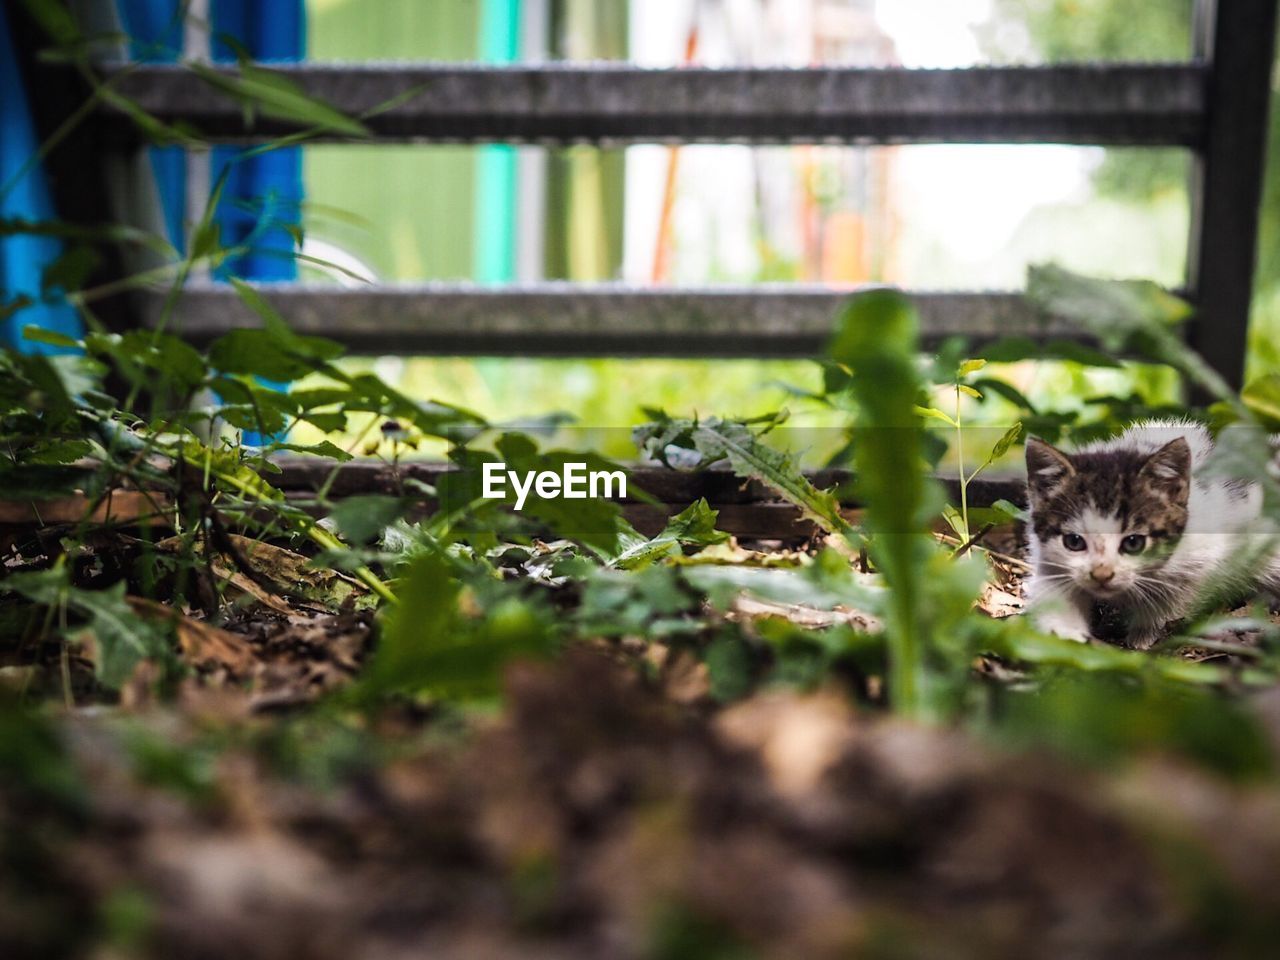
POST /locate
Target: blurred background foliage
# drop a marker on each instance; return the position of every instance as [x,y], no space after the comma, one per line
[842,215]
[1059,30]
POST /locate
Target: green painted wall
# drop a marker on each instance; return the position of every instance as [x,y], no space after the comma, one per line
[585,186]
[407,211]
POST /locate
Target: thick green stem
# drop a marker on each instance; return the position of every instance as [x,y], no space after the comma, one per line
[964,483]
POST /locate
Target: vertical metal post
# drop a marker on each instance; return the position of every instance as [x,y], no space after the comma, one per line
[1237,40]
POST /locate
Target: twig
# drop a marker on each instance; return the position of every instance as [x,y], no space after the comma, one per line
[969,544]
[1021,565]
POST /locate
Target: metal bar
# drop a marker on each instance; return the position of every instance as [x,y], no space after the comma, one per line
[564,319]
[1239,39]
[1088,103]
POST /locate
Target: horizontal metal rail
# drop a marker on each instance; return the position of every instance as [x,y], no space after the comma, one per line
[564,319]
[1141,104]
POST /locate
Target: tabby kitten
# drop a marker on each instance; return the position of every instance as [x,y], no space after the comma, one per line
[1126,535]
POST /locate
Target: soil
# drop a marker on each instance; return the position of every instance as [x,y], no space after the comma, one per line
[606,806]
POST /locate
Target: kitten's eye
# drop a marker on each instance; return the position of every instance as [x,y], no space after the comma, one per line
[1073,541]
[1133,543]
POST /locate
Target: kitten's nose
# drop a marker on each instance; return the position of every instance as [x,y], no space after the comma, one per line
[1102,573]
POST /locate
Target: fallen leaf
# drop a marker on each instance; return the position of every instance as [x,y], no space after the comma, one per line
[203,646]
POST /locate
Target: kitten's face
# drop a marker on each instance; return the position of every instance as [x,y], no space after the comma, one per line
[1106,521]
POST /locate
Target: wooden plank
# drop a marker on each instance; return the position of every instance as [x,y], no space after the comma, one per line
[611,103]
[678,488]
[564,319]
[1237,37]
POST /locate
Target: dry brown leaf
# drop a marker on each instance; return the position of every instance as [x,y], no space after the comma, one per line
[289,572]
[242,586]
[203,645]
[746,607]
[998,603]
[294,572]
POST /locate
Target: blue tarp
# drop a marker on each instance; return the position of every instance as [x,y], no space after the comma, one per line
[155,33]
[24,195]
[263,196]
[260,204]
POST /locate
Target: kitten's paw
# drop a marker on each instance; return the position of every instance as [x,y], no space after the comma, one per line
[1066,626]
[1143,639]
[1072,633]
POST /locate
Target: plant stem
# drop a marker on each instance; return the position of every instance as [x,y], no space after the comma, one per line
[318,535]
[964,481]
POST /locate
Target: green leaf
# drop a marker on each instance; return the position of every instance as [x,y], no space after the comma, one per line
[122,637]
[1111,309]
[69,272]
[1009,511]
[595,522]
[362,519]
[154,129]
[324,448]
[60,381]
[728,662]
[971,366]
[55,19]
[1020,644]
[1007,440]
[427,646]
[274,352]
[139,352]
[877,337]
[749,457]
[329,422]
[1005,390]
[933,413]
[1014,349]
[366,392]
[261,353]
[968,391]
[695,526]
[271,319]
[53,338]
[255,353]
[39,481]
[107,233]
[278,96]
[955,521]
[1262,398]
[57,451]
[227,469]
[1080,353]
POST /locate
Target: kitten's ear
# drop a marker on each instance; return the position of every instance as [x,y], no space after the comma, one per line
[1047,466]
[1169,469]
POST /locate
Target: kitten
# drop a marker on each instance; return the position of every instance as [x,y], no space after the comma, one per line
[1128,533]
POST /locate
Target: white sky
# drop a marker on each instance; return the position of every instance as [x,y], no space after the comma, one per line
[966,199]
[970,198]
[933,33]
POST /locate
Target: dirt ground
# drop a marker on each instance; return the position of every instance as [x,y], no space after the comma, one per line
[596,816]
